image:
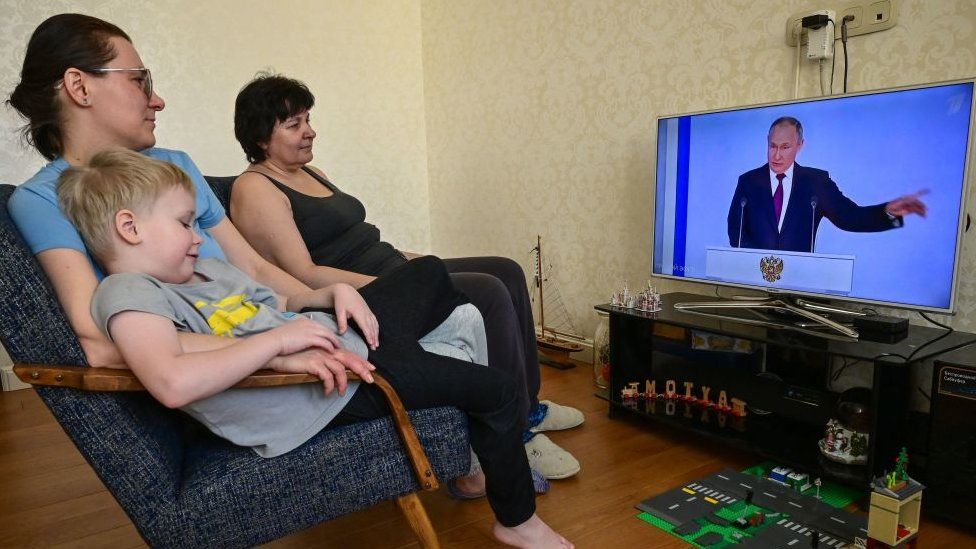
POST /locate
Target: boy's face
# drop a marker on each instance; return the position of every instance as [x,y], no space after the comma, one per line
[169,246]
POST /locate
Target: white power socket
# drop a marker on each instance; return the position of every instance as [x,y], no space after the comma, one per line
[868,16]
[820,42]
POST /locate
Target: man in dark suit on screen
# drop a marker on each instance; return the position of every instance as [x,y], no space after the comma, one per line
[779,206]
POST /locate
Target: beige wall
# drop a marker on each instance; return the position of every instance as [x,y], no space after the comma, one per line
[541,115]
[361,59]
[522,117]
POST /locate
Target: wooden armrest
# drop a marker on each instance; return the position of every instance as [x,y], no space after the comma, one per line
[119,379]
[122,379]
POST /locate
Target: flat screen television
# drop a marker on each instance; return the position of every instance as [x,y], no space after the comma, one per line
[820,197]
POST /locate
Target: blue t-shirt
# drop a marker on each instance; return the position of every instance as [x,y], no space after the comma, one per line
[34,209]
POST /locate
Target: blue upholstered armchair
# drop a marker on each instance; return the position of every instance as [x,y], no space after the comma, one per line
[181,485]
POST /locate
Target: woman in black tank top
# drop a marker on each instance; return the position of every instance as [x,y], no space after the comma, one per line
[335,230]
[294,216]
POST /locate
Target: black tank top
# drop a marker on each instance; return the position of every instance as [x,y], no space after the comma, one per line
[335,231]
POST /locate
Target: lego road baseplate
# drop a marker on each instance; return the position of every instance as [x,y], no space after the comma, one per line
[713,512]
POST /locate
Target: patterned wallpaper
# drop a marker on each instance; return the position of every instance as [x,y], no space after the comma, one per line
[541,116]
[470,126]
[362,60]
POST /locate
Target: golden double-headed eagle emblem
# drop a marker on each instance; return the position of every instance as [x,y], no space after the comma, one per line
[771,268]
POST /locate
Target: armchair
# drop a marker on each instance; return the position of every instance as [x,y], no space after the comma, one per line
[183,486]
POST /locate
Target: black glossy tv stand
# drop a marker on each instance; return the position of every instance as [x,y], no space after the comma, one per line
[782,372]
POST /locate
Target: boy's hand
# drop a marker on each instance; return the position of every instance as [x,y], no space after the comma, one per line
[303,333]
[349,304]
[330,367]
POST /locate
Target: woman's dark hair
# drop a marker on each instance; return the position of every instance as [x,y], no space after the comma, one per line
[59,43]
[263,102]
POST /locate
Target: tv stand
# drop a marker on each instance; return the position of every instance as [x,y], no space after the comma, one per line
[799,307]
[784,376]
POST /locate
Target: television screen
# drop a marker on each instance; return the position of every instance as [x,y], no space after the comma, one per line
[858,197]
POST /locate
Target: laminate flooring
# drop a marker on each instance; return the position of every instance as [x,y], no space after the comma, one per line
[50,497]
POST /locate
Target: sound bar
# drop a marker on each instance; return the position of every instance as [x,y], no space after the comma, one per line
[880,324]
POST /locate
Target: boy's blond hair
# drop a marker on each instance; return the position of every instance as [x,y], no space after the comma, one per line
[114,180]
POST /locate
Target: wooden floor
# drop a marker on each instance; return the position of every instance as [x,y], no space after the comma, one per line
[49,496]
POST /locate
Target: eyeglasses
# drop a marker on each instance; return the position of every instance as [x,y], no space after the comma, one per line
[147,86]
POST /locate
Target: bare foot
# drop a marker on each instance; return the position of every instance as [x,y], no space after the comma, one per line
[533,534]
[471,484]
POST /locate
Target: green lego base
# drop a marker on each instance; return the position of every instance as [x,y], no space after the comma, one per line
[832,494]
[835,495]
[728,533]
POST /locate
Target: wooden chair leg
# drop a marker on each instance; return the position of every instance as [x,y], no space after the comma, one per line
[416,515]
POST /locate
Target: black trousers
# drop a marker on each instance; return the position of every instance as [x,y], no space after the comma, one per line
[496,286]
[409,302]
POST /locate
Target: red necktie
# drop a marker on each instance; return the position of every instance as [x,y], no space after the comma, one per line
[778,197]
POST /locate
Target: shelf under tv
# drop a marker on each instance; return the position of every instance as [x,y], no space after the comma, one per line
[664,345]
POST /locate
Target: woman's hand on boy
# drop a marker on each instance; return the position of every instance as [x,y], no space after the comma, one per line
[348,304]
[303,333]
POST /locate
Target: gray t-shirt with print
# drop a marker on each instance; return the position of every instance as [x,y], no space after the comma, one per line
[271,420]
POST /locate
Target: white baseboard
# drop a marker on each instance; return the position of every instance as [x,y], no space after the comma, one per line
[9,379]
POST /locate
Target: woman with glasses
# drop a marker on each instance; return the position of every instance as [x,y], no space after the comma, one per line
[83,90]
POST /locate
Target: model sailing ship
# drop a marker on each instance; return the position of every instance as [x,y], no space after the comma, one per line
[557,338]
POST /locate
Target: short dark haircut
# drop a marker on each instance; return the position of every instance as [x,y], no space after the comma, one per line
[61,42]
[262,103]
[787,121]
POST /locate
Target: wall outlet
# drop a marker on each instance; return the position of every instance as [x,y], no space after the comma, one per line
[869,16]
[820,41]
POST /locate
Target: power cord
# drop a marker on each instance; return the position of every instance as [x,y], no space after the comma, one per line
[843,41]
[834,376]
[948,330]
[824,89]
[833,61]
[796,79]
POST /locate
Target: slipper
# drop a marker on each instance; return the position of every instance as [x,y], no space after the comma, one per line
[557,417]
[550,460]
[457,493]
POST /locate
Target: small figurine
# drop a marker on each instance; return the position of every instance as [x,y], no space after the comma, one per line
[670,389]
[843,445]
[704,398]
[647,300]
[650,389]
[817,482]
[723,402]
[757,519]
[779,474]
[738,407]
[799,481]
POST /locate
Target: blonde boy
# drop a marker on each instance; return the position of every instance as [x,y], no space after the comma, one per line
[136,215]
